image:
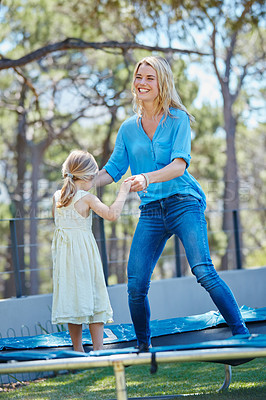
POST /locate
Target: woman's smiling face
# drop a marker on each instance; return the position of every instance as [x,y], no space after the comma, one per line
[146,83]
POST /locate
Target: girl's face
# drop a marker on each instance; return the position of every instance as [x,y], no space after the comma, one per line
[146,83]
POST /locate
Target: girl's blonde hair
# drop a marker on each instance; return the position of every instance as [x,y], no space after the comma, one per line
[78,165]
[168,96]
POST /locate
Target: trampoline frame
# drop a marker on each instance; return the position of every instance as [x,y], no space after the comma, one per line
[120,361]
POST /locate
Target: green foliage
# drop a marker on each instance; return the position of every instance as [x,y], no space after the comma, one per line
[252,181]
[187,88]
[92,89]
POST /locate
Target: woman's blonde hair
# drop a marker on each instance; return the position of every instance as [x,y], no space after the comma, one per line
[78,165]
[168,96]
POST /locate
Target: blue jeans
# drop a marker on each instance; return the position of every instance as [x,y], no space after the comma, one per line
[183,216]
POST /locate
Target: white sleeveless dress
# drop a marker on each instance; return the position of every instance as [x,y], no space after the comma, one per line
[79,290]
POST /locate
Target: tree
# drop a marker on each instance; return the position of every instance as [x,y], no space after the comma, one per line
[40,72]
[35,96]
[232,32]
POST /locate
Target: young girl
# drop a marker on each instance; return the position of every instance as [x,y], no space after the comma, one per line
[79,290]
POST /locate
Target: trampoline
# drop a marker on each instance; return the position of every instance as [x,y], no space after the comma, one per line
[199,338]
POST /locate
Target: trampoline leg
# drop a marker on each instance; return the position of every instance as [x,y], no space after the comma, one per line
[120,380]
[227,379]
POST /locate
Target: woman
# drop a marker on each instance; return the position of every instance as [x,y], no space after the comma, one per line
[156,144]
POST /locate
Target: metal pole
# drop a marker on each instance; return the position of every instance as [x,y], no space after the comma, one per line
[177,258]
[120,380]
[206,355]
[15,258]
[227,379]
[103,249]
[237,240]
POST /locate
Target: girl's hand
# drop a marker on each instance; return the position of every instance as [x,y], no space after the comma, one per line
[125,186]
[138,183]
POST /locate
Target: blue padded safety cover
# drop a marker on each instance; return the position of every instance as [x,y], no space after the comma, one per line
[125,332]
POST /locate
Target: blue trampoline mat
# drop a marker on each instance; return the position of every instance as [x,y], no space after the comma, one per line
[125,332]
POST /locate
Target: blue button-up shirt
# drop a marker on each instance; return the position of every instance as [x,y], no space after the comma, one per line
[172,139]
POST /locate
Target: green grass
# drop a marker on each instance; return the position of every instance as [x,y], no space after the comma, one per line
[204,379]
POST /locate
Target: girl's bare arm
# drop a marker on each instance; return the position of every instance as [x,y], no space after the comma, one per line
[111,213]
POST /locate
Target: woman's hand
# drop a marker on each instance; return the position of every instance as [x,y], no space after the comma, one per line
[176,168]
[138,183]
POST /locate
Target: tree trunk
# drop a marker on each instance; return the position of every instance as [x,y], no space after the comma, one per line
[18,197]
[9,288]
[231,182]
[36,159]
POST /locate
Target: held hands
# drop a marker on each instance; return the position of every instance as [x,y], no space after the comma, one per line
[138,182]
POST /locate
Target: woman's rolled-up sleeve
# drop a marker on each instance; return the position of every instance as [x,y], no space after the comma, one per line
[181,145]
[118,163]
